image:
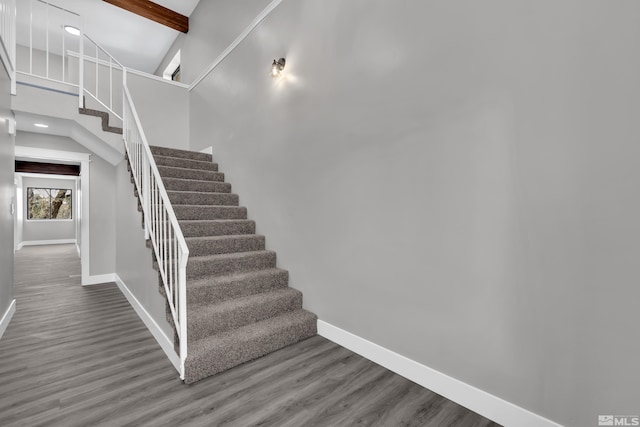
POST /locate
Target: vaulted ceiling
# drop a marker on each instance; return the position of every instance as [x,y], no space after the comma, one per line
[135,41]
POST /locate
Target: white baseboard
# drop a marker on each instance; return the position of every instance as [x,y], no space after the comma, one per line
[99,279]
[6,318]
[46,242]
[479,401]
[165,343]
[20,245]
[78,250]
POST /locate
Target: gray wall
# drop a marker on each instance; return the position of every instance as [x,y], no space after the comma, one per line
[7,193]
[163,109]
[133,258]
[38,230]
[455,181]
[102,199]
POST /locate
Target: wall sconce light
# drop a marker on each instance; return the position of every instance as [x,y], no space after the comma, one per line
[277,67]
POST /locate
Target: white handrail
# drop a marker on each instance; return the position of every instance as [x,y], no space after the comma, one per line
[160,221]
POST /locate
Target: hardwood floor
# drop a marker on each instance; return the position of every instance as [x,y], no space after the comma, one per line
[76,356]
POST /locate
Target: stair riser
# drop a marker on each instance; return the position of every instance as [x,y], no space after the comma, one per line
[216,199]
[182,154]
[169,172]
[217,228]
[221,358]
[198,268]
[223,321]
[225,246]
[185,163]
[225,290]
[173,184]
[188,212]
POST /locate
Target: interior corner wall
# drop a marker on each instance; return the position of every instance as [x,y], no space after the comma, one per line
[7,193]
[163,109]
[213,25]
[102,198]
[134,263]
[454,181]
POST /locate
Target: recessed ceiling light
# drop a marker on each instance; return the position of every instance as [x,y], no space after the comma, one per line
[41,125]
[72,30]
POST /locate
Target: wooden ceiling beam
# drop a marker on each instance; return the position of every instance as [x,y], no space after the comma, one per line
[155,12]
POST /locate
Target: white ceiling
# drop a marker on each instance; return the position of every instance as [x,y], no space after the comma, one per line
[134,41]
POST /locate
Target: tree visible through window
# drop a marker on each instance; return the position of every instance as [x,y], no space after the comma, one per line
[48,203]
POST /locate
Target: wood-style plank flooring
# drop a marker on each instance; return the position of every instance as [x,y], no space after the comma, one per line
[75,356]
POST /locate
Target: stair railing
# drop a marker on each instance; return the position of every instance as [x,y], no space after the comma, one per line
[109,83]
[160,221]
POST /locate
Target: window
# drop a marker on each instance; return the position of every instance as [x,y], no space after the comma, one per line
[49,203]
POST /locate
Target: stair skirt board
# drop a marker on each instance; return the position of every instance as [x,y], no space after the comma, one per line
[239,304]
[165,342]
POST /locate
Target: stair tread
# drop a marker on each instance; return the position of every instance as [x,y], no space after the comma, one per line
[178,152]
[236,277]
[162,156]
[249,332]
[232,255]
[205,221]
[199,192]
[181,162]
[225,237]
[187,169]
[184,205]
[170,178]
[203,311]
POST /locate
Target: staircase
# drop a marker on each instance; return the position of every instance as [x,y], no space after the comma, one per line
[239,304]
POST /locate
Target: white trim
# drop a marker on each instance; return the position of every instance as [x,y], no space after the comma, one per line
[479,401]
[6,318]
[20,245]
[46,242]
[172,67]
[46,175]
[165,343]
[243,35]
[99,279]
[47,154]
[157,78]
[208,150]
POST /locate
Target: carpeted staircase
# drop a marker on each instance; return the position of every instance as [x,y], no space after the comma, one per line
[239,304]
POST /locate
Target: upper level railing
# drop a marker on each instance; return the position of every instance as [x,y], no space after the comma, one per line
[79,61]
[102,76]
